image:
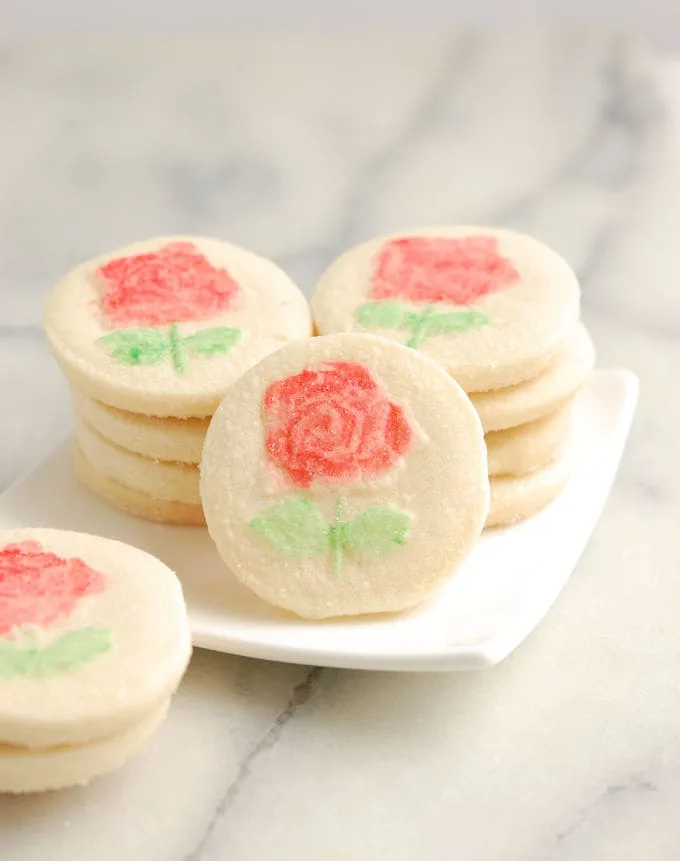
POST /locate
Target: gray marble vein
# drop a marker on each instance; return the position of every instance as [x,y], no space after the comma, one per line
[298,146]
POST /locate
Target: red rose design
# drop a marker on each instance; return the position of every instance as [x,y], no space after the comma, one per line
[37,587]
[174,284]
[333,424]
[424,269]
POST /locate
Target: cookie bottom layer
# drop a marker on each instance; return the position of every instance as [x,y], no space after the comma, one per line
[133,501]
[520,450]
[168,439]
[514,498]
[536,398]
[24,769]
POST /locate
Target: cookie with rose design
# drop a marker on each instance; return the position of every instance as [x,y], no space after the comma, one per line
[94,640]
[163,327]
[344,475]
[492,306]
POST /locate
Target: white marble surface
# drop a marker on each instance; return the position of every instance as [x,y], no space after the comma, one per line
[570,750]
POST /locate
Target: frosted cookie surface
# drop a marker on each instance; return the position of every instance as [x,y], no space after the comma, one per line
[344,475]
[163,327]
[491,306]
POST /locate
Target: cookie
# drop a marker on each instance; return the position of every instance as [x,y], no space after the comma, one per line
[525,448]
[492,306]
[178,440]
[94,641]
[545,393]
[344,475]
[25,769]
[163,480]
[163,327]
[135,502]
[516,497]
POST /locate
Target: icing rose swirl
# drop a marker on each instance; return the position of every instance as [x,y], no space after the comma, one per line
[175,283]
[441,269]
[333,424]
[38,587]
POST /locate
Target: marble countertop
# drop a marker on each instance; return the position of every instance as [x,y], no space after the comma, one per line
[297,147]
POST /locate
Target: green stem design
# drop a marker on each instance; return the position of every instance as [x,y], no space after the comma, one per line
[420,328]
[177,352]
[336,536]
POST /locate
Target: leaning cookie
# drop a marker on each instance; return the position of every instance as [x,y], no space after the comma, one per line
[492,306]
[344,475]
[163,327]
[94,640]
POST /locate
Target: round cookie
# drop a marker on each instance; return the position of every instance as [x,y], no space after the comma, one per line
[525,448]
[344,475]
[25,769]
[178,440]
[163,327]
[94,640]
[516,497]
[545,393]
[492,306]
[135,502]
[173,482]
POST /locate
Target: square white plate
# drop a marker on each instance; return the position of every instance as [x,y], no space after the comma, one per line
[494,602]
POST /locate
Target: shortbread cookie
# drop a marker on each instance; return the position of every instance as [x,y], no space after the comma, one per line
[178,440]
[94,640]
[523,449]
[27,769]
[134,501]
[163,327]
[344,475]
[542,395]
[493,307]
[173,482]
[516,497]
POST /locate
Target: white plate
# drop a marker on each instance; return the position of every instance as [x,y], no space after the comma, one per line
[492,604]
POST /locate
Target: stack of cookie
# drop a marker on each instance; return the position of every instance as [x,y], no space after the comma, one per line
[150,337]
[95,640]
[500,312]
[528,428]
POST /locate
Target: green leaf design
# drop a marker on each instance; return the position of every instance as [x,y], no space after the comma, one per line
[385,315]
[376,532]
[149,346]
[137,346]
[70,650]
[294,527]
[212,342]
